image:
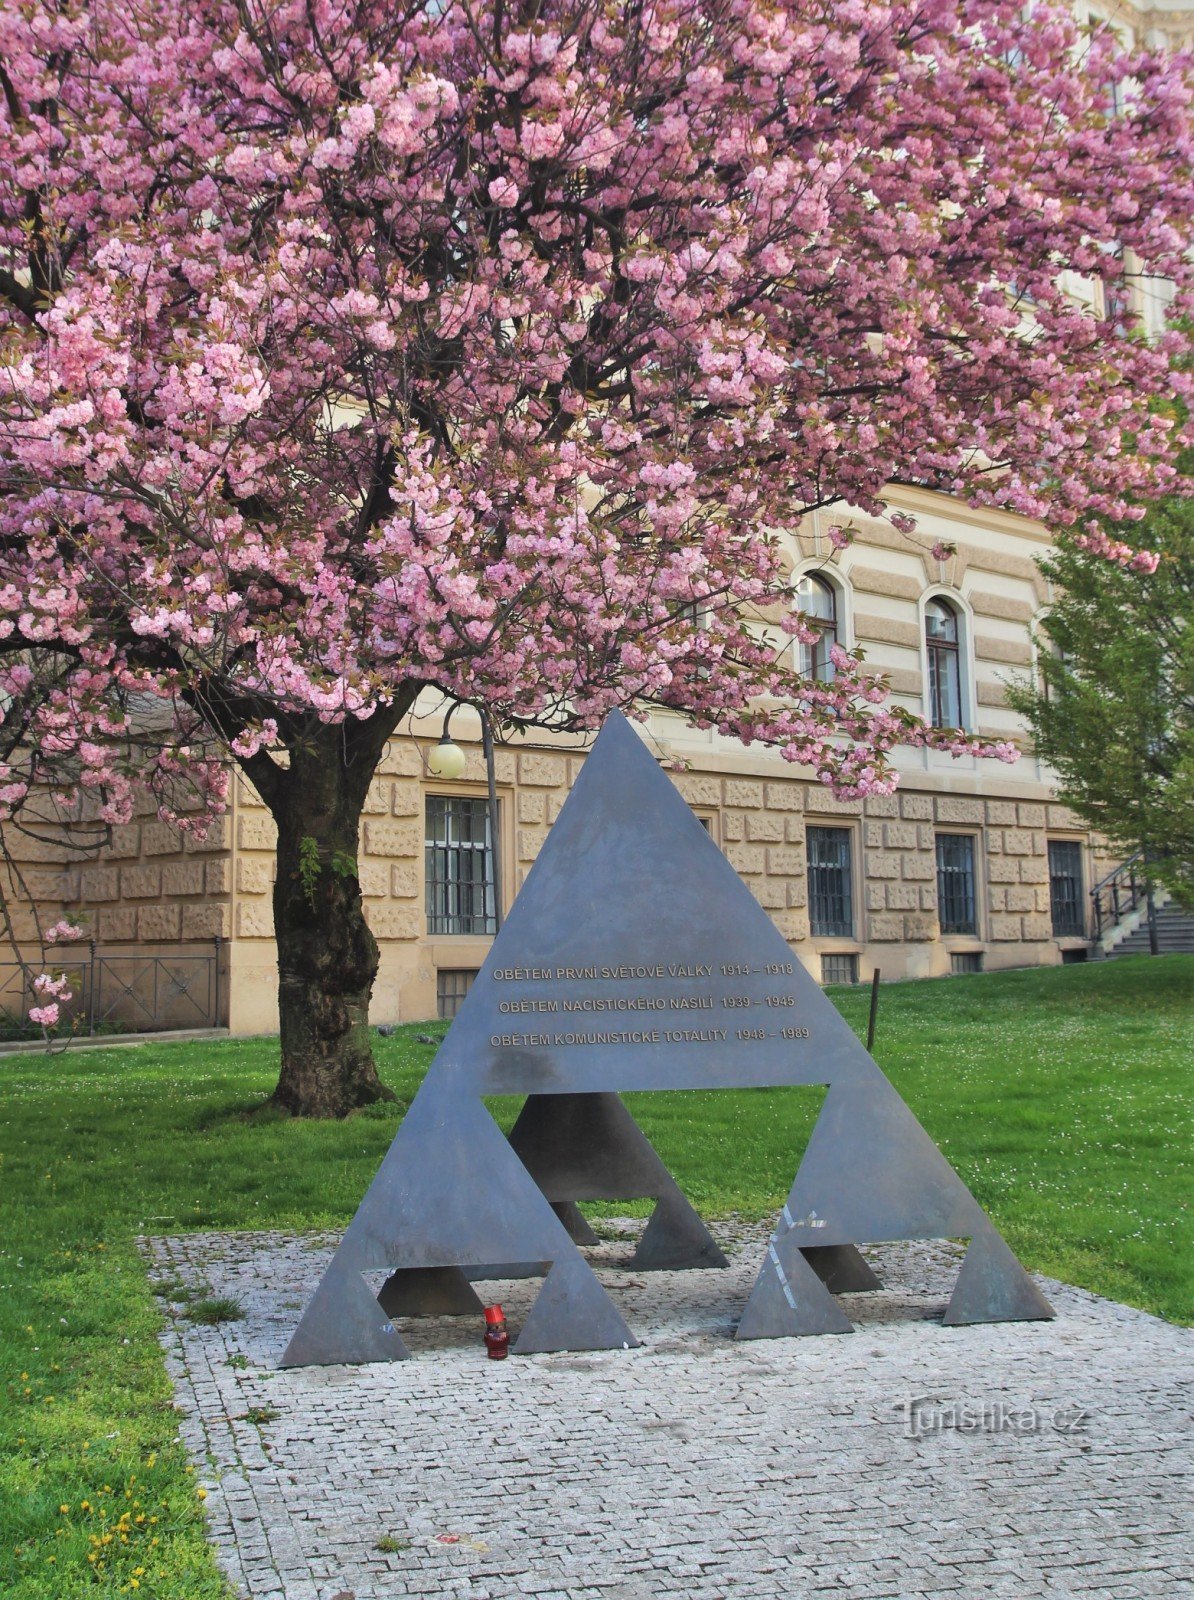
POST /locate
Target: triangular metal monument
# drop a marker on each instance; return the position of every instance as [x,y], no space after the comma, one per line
[635,958]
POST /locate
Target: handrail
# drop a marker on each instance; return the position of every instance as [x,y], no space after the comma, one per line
[1119,893]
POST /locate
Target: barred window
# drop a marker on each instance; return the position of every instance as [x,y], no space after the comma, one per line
[451,986]
[459,865]
[830,888]
[1065,889]
[839,969]
[955,883]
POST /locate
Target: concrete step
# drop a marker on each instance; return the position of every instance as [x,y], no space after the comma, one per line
[1175,932]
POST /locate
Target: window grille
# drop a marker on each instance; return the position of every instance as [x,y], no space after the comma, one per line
[955,883]
[839,969]
[459,865]
[830,891]
[1065,889]
[451,986]
[966,961]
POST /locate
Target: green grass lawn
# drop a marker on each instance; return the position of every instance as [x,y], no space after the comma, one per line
[1060,1096]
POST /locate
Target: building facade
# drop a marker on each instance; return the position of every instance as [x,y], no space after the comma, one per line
[971,865]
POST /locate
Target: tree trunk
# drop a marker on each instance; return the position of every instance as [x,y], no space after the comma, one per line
[327,957]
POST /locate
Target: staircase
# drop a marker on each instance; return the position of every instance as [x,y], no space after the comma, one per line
[1120,907]
[1175,931]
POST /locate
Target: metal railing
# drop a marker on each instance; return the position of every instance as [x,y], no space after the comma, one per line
[1119,893]
[128,991]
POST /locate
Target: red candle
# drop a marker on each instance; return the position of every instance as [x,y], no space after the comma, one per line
[497,1339]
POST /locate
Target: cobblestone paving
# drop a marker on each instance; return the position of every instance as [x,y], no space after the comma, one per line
[878,1464]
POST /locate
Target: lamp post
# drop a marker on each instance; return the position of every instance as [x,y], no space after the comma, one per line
[491,779]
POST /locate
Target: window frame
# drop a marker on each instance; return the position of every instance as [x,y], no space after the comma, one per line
[435,922]
[960,653]
[813,661]
[838,584]
[847,957]
[974,930]
[1080,930]
[458,991]
[849,892]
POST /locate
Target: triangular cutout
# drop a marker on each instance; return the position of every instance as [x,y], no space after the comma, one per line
[589,1147]
[429,1292]
[841,1268]
[635,958]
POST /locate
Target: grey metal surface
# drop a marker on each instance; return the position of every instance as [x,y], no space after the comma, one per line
[429,1292]
[635,958]
[575,1221]
[841,1268]
[589,1147]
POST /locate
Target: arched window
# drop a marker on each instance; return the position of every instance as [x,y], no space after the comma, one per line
[942,642]
[816,600]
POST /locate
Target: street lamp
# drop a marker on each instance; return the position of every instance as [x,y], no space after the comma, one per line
[446,759]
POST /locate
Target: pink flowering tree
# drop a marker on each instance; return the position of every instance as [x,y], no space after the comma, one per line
[356,348]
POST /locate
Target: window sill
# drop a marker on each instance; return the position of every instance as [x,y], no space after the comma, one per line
[458,943]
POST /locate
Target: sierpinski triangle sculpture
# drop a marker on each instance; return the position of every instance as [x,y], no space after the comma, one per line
[635,958]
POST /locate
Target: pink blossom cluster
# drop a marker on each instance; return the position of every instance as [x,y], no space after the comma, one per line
[50,992]
[1100,543]
[349,348]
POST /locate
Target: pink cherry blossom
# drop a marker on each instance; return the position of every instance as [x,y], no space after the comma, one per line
[480,348]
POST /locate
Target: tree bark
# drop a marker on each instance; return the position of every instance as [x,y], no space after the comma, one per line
[327,956]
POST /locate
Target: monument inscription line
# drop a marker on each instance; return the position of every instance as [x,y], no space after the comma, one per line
[719,1001]
[634,958]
